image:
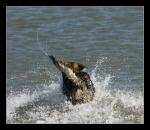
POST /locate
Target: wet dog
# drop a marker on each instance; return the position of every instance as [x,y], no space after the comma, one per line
[77,85]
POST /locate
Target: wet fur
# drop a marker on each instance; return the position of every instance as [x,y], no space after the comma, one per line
[77,85]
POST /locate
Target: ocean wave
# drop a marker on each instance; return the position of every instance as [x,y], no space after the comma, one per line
[50,106]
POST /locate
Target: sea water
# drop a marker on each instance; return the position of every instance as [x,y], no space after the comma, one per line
[109,41]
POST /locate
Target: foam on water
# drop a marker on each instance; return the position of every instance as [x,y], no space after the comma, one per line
[49,106]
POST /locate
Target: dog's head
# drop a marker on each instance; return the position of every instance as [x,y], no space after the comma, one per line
[64,65]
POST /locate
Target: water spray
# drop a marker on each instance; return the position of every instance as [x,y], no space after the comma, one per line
[44,50]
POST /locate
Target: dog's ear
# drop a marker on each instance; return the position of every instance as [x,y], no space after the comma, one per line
[78,67]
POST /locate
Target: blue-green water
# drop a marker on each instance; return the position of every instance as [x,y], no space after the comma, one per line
[108,40]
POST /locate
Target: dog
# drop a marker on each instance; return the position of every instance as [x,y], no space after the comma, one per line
[77,85]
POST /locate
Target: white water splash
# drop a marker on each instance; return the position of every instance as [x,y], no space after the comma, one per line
[49,106]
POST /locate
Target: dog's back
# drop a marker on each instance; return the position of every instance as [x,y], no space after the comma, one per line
[76,94]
